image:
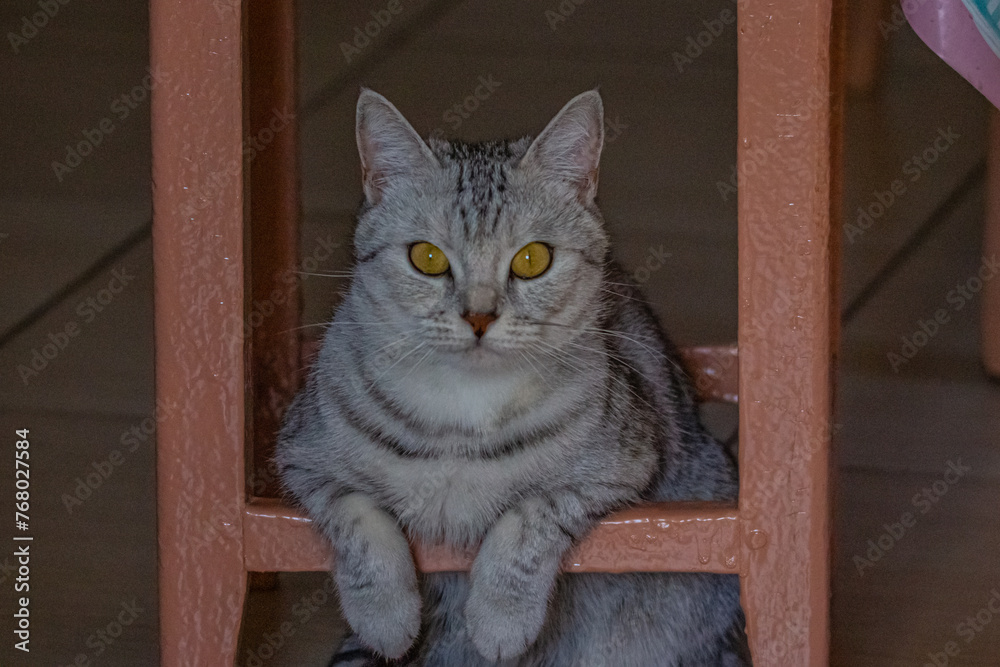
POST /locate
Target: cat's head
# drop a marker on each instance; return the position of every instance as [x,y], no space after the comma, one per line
[483,254]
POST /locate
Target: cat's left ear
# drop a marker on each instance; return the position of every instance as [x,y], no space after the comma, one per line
[388,145]
[569,148]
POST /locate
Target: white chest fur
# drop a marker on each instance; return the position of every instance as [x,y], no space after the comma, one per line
[457,497]
[449,498]
[445,397]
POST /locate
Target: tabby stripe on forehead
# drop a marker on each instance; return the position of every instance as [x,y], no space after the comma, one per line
[460,186]
[500,186]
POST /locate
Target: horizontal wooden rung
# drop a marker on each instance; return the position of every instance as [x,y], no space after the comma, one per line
[666,537]
[714,371]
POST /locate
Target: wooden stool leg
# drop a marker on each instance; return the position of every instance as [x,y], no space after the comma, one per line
[789,98]
[990,322]
[198,242]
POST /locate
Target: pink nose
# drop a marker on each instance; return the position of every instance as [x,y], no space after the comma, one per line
[479,322]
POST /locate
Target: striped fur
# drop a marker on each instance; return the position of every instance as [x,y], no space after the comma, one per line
[571,405]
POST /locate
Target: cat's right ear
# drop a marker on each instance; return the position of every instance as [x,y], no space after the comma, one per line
[388,145]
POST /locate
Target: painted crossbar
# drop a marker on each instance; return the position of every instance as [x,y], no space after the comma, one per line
[665,537]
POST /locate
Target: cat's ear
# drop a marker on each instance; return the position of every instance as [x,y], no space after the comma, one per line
[388,145]
[569,149]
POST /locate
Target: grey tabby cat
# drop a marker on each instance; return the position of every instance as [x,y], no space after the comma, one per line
[491,377]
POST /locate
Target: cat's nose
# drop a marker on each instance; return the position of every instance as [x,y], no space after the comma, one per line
[479,322]
[481,297]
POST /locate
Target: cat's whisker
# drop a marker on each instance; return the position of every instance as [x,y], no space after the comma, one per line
[590,365]
[305,326]
[526,356]
[663,357]
[610,355]
[348,323]
[402,339]
[626,365]
[326,275]
[393,365]
[574,361]
[622,296]
[607,332]
[570,361]
[619,334]
[419,363]
[561,357]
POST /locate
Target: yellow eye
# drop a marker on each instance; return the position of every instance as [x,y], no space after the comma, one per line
[531,261]
[428,258]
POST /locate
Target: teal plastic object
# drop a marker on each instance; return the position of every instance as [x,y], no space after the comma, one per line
[965,34]
[986,14]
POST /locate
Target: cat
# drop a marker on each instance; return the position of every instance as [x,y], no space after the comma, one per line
[492,378]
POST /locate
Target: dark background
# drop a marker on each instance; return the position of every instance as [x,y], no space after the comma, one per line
[674,137]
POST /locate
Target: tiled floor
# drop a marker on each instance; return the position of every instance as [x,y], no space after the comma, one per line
[899,430]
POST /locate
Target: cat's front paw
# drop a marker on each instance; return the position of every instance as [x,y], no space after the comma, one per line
[501,625]
[385,618]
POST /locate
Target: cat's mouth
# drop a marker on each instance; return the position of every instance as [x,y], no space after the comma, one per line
[483,353]
[482,348]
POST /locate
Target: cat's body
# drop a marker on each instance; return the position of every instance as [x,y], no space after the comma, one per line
[482,404]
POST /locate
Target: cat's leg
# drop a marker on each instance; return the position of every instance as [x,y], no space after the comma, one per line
[374,572]
[514,573]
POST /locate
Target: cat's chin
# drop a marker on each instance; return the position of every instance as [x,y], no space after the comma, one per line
[484,357]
